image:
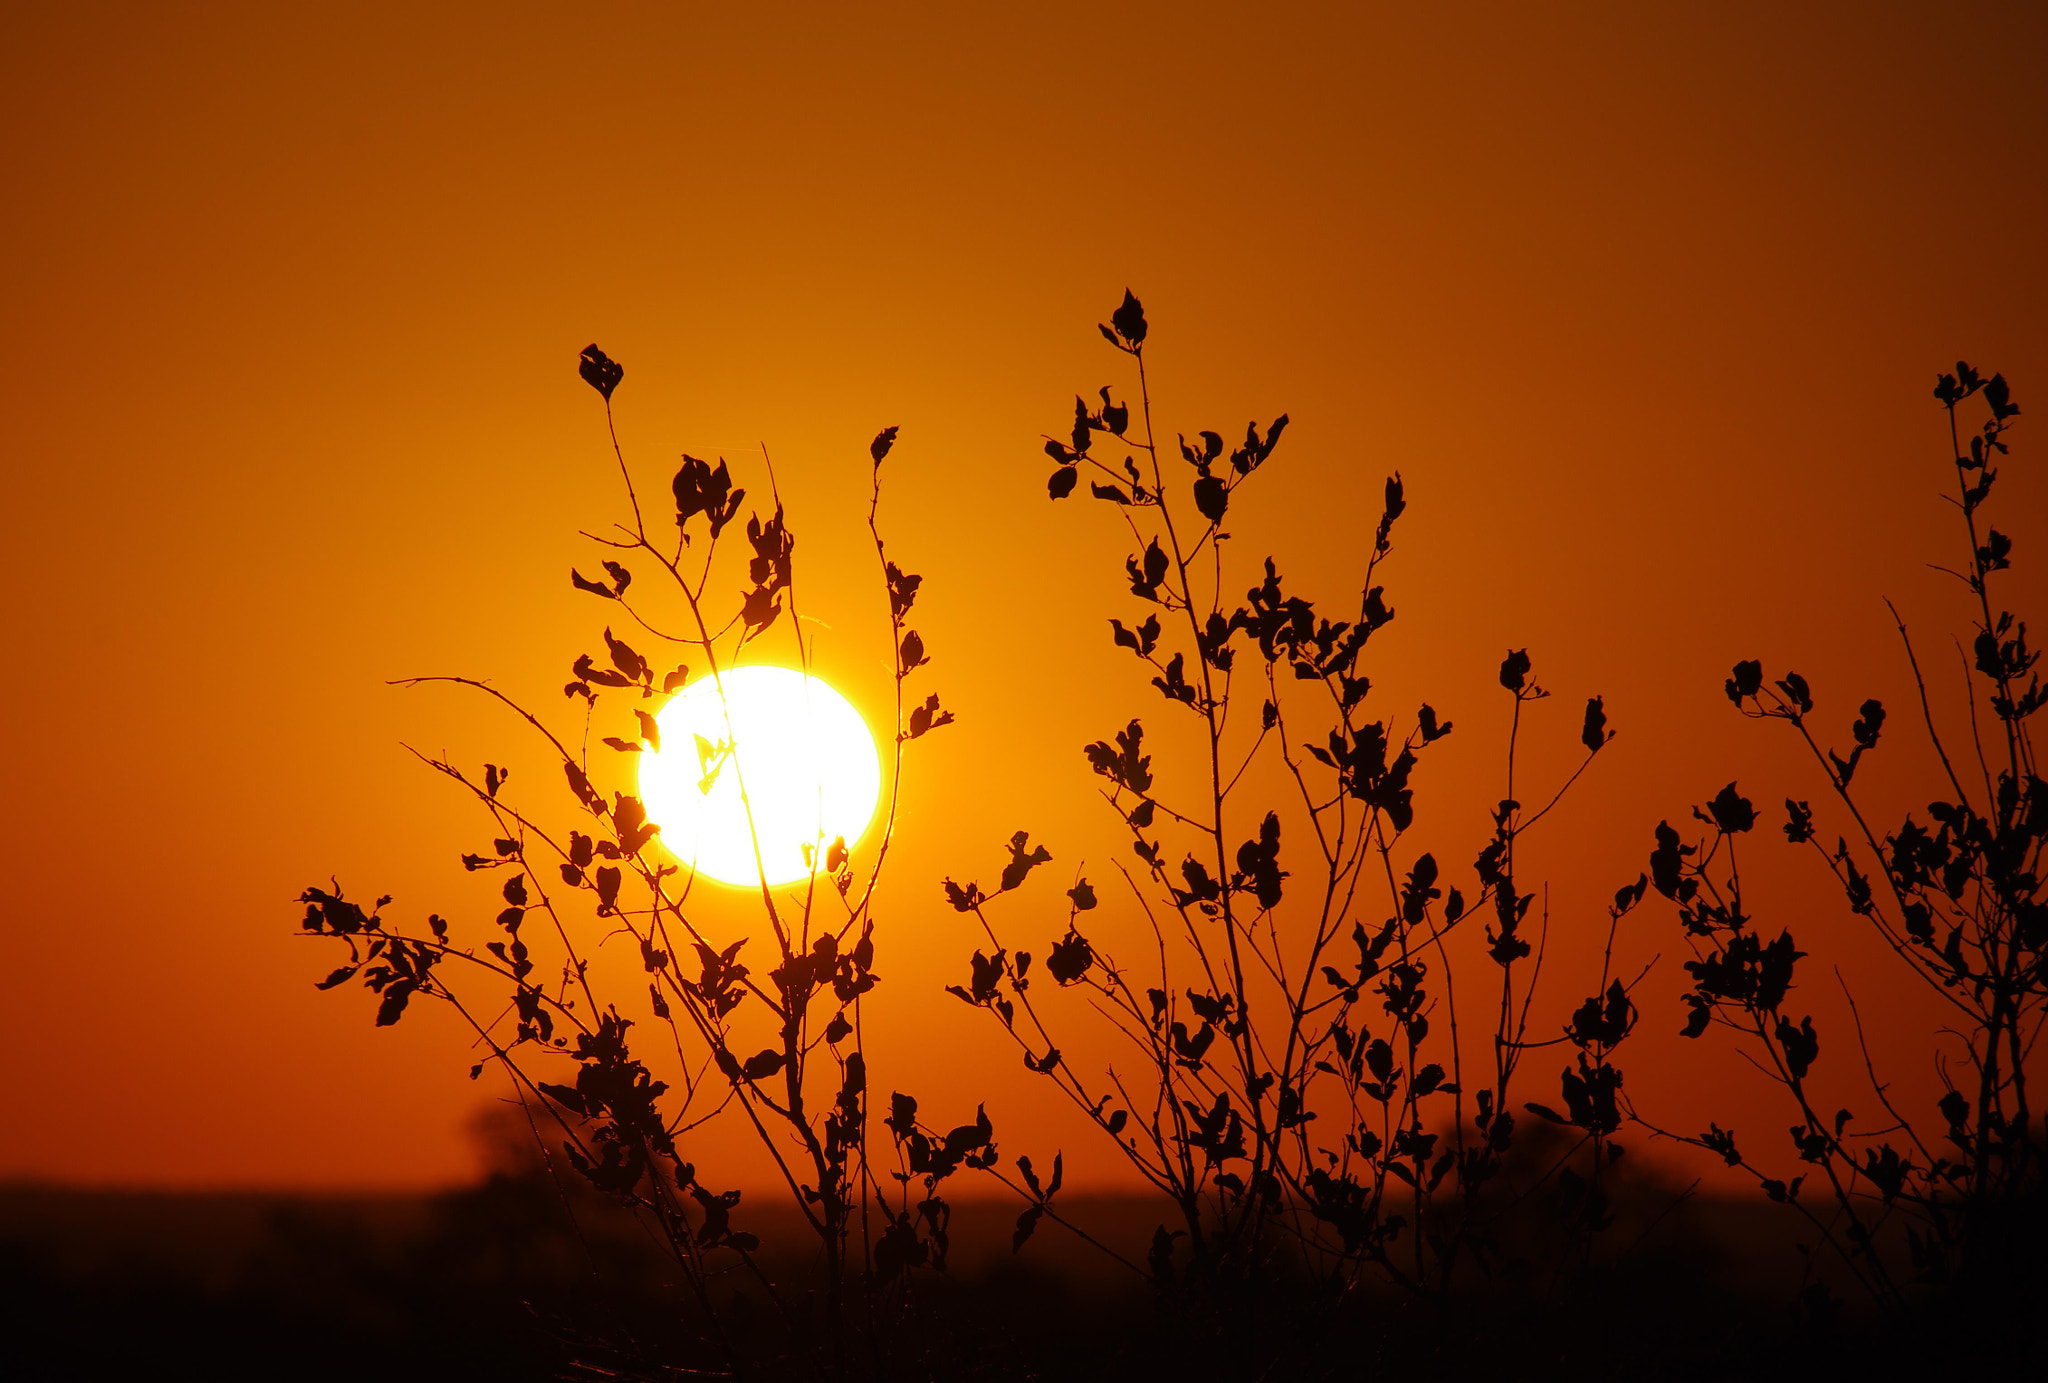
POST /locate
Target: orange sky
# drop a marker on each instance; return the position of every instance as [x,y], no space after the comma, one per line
[1645,308]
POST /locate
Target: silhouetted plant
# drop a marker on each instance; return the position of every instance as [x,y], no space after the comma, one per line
[599,874]
[1300,1093]
[1957,898]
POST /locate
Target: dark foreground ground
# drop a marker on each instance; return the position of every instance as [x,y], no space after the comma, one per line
[493,1282]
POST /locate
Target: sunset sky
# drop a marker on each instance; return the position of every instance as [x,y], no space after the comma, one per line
[1645,305]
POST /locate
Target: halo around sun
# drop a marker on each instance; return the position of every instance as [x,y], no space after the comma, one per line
[800,751]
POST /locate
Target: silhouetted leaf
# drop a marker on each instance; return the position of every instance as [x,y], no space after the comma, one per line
[1799,822]
[1595,734]
[1999,396]
[1022,860]
[394,1003]
[1801,1046]
[1115,416]
[701,489]
[600,371]
[903,588]
[928,717]
[1259,862]
[763,1064]
[564,1096]
[1514,670]
[579,783]
[1070,958]
[1732,812]
[587,671]
[1129,320]
[1396,505]
[912,651]
[1148,572]
[760,608]
[1747,680]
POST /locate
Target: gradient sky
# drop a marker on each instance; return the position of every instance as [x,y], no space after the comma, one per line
[1645,302]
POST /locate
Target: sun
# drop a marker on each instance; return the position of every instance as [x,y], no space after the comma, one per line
[759,754]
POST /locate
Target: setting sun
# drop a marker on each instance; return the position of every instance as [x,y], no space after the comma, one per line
[799,752]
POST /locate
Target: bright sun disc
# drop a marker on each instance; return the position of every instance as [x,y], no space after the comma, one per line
[802,752]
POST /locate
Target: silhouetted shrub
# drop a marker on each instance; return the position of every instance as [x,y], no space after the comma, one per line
[580,862]
[1300,1093]
[1956,896]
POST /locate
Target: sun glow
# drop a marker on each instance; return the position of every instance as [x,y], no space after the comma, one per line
[799,750]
